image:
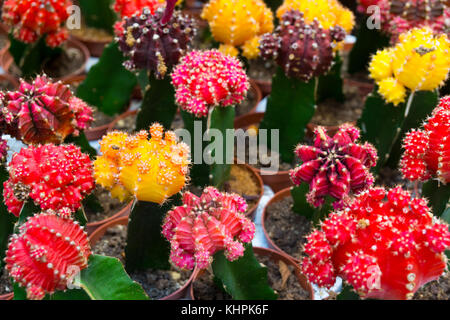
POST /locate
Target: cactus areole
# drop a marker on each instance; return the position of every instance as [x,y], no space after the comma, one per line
[384,244]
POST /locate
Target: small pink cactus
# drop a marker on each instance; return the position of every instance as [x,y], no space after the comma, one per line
[206,225]
[384,244]
[3,150]
[335,166]
[206,79]
[54,177]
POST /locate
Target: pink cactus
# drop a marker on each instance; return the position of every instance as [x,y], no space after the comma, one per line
[384,244]
[3,150]
[335,166]
[54,177]
[206,79]
[206,225]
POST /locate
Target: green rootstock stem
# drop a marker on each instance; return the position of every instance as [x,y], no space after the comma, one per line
[98,14]
[7,220]
[290,107]
[83,143]
[303,208]
[438,195]
[158,104]
[331,85]
[222,146]
[200,171]
[243,279]
[348,293]
[146,246]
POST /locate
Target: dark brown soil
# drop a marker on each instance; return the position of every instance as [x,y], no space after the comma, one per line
[435,290]
[128,124]
[247,105]
[100,119]
[156,283]
[110,206]
[5,283]
[92,34]
[260,69]
[390,178]
[286,228]
[290,289]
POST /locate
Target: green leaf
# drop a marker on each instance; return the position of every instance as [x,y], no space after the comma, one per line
[347,293]
[83,143]
[245,278]
[158,104]
[7,220]
[301,206]
[108,85]
[222,119]
[331,84]
[438,195]
[146,246]
[19,292]
[98,14]
[106,279]
[73,294]
[290,107]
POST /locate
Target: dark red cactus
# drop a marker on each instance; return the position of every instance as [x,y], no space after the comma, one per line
[153,45]
[43,112]
[3,150]
[303,50]
[384,244]
[335,166]
[54,177]
[48,250]
[205,225]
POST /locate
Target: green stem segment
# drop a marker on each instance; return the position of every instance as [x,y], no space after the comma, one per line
[303,208]
[438,195]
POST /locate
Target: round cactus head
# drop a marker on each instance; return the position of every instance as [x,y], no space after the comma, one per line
[32,19]
[335,166]
[43,112]
[384,244]
[205,79]
[46,253]
[54,177]
[205,225]
[150,170]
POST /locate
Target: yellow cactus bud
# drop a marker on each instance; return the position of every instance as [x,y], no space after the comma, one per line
[234,22]
[250,49]
[229,50]
[392,90]
[329,13]
[151,170]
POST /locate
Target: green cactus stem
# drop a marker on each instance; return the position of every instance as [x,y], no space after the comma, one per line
[438,195]
[98,14]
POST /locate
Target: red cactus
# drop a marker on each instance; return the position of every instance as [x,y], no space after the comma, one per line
[205,225]
[54,177]
[3,150]
[127,8]
[45,254]
[32,19]
[427,151]
[385,249]
[335,166]
[204,79]
[44,112]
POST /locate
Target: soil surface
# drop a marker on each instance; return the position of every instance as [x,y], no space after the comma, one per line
[5,283]
[286,228]
[156,283]
[247,105]
[110,206]
[100,119]
[260,69]
[6,85]
[92,34]
[435,290]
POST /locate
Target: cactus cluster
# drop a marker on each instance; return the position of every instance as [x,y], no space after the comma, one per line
[205,79]
[205,225]
[54,177]
[43,112]
[335,166]
[384,244]
[238,23]
[150,170]
[427,151]
[32,19]
[154,44]
[303,50]
[47,252]
[419,61]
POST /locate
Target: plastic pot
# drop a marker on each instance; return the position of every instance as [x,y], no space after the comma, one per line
[252,210]
[91,227]
[95,47]
[100,232]
[277,256]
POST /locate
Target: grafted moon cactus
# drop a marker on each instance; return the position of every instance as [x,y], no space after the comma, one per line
[302,50]
[205,225]
[205,79]
[427,151]
[127,8]
[3,150]
[43,112]
[32,19]
[54,177]
[154,44]
[384,244]
[44,255]
[150,170]
[335,166]
[237,23]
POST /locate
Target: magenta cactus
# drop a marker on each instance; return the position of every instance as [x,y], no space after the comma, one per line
[207,224]
[335,166]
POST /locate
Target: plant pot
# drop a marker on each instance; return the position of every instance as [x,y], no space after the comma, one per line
[264,85]
[6,60]
[95,47]
[91,227]
[111,126]
[254,87]
[7,296]
[274,256]
[100,232]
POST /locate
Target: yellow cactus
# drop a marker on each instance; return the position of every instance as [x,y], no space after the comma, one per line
[236,22]
[229,50]
[150,170]
[329,13]
[419,61]
[250,49]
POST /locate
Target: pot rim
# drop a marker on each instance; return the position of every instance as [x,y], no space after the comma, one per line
[123,212]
